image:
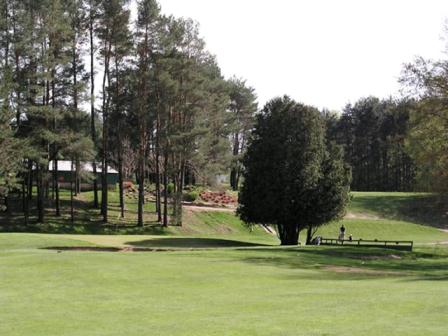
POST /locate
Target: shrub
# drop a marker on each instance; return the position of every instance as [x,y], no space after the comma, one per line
[190,196]
[170,188]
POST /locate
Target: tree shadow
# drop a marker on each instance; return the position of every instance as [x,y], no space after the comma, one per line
[357,263]
[87,220]
[192,243]
[427,209]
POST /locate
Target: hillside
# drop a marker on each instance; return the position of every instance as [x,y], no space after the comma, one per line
[400,216]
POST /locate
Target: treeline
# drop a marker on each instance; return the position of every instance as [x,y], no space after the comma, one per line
[373,134]
[164,110]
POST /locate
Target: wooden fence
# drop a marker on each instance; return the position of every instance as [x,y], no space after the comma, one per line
[405,245]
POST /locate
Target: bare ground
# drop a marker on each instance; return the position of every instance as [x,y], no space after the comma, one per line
[358,270]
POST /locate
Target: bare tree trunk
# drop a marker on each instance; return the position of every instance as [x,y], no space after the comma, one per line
[309,234]
[120,180]
[30,180]
[26,190]
[55,146]
[288,234]
[106,97]
[40,195]
[141,189]
[92,106]
[178,183]
[72,177]
[158,195]
[234,171]
[56,186]
[78,176]
[165,191]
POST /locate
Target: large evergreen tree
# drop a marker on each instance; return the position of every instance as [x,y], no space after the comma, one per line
[282,168]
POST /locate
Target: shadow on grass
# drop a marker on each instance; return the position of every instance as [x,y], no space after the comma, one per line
[192,243]
[428,209]
[87,221]
[357,263]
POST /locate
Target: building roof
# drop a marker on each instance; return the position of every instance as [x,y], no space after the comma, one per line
[85,166]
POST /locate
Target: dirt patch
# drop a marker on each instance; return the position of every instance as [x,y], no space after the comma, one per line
[357,215]
[381,257]
[205,208]
[125,249]
[358,270]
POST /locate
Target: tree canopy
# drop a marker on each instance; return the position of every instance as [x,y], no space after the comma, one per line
[283,189]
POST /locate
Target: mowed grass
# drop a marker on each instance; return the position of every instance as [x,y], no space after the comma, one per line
[221,291]
[215,276]
[420,208]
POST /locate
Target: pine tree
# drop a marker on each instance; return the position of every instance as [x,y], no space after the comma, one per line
[148,16]
[93,7]
[242,107]
[114,36]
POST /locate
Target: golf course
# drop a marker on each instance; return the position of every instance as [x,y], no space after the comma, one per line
[223,168]
[231,280]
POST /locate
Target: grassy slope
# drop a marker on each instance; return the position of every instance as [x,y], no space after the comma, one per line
[400,216]
[420,208]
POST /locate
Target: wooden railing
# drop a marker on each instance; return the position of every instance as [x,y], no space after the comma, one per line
[392,244]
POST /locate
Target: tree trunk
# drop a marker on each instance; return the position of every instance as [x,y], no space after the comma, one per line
[72,177]
[234,172]
[106,99]
[141,190]
[55,146]
[30,180]
[92,106]
[56,187]
[40,195]
[165,191]
[309,235]
[120,181]
[178,195]
[6,203]
[288,234]
[158,201]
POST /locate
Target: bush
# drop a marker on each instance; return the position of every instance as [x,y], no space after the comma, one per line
[170,188]
[190,196]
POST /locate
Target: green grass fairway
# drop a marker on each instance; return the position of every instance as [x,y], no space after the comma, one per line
[243,291]
[420,208]
[214,276]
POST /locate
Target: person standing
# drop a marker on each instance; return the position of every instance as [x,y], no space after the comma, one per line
[342,232]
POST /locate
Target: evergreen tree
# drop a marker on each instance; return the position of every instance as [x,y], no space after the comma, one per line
[332,193]
[372,133]
[93,8]
[242,108]
[282,168]
[147,24]
[114,36]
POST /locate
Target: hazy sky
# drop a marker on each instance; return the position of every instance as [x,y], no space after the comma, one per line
[321,52]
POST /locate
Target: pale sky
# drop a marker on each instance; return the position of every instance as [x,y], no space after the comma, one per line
[320,52]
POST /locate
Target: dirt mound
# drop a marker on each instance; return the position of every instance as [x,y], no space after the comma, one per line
[218,198]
